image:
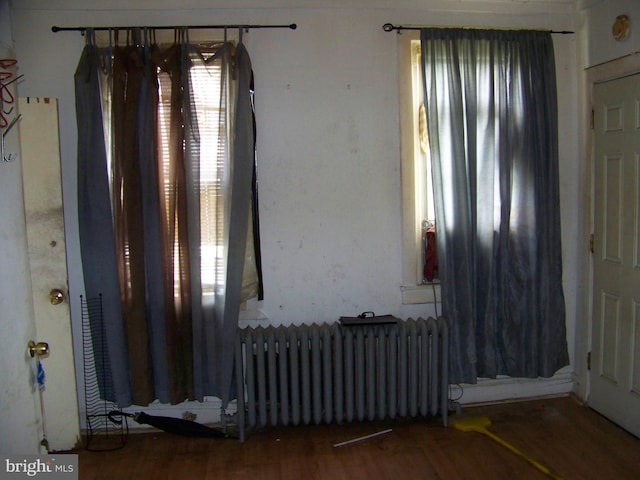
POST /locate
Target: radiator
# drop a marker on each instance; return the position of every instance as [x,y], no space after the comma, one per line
[330,373]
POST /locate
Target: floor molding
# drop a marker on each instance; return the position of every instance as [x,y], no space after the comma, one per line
[509,389]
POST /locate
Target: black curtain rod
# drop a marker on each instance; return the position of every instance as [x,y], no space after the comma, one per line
[56,29]
[389,27]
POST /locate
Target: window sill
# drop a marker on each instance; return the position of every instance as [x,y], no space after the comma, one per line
[415,294]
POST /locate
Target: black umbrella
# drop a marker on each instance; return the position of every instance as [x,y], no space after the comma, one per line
[178,426]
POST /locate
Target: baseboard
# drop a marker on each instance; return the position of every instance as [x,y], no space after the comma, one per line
[485,391]
[509,389]
[206,412]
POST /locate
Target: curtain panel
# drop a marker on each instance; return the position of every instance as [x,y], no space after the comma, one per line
[163,223]
[493,132]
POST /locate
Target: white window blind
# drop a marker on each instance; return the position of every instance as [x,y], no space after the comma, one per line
[206,91]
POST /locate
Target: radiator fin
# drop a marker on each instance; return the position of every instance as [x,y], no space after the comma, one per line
[329,373]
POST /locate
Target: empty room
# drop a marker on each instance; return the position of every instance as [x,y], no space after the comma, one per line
[321,239]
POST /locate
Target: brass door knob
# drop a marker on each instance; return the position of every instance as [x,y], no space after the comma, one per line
[41,348]
[56,296]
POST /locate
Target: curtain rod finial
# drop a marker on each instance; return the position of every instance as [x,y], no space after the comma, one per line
[388,27]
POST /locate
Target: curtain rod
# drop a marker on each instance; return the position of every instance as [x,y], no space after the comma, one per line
[56,29]
[389,27]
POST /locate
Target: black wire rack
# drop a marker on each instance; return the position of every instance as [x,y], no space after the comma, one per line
[102,432]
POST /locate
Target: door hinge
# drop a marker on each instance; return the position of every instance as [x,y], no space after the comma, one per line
[592,247]
[588,360]
[593,118]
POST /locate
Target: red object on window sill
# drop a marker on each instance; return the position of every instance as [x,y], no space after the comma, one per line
[430,269]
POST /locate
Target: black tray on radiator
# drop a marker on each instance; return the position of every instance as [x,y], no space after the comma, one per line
[365,319]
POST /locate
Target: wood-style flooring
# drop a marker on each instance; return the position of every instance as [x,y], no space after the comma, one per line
[570,439]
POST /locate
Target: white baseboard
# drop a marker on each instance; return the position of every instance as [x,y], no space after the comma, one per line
[485,391]
[507,388]
[206,412]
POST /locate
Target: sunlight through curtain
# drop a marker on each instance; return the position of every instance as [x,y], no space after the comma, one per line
[166,200]
[493,132]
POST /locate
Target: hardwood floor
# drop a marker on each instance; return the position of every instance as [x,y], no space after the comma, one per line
[572,440]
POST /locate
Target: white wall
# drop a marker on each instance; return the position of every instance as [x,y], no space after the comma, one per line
[328,141]
[599,17]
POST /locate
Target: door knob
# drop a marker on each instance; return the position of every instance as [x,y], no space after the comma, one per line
[41,348]
[56,296]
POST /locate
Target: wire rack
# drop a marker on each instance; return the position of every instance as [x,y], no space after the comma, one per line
[102,432]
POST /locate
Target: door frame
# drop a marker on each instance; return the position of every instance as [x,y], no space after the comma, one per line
[604,72]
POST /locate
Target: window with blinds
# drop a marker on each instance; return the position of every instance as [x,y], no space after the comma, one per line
[207,91]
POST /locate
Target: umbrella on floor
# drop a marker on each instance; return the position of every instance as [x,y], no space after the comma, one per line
[178,426]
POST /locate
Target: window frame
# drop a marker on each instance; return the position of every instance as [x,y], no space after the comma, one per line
[414,291]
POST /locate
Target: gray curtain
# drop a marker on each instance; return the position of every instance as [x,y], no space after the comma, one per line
[140,212]
[215,323]
[492,121]
[95,220]
[239,188]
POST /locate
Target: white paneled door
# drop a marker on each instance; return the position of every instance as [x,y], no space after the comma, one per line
[48,266]
[615,351]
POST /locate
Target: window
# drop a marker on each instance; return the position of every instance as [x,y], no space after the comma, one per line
[417,192]
[206,88]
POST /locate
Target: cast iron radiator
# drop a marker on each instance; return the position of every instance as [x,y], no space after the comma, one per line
[330,373]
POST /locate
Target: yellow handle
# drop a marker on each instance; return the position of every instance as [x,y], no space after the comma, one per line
[533,462]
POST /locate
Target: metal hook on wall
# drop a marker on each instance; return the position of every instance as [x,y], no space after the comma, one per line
[11,157]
